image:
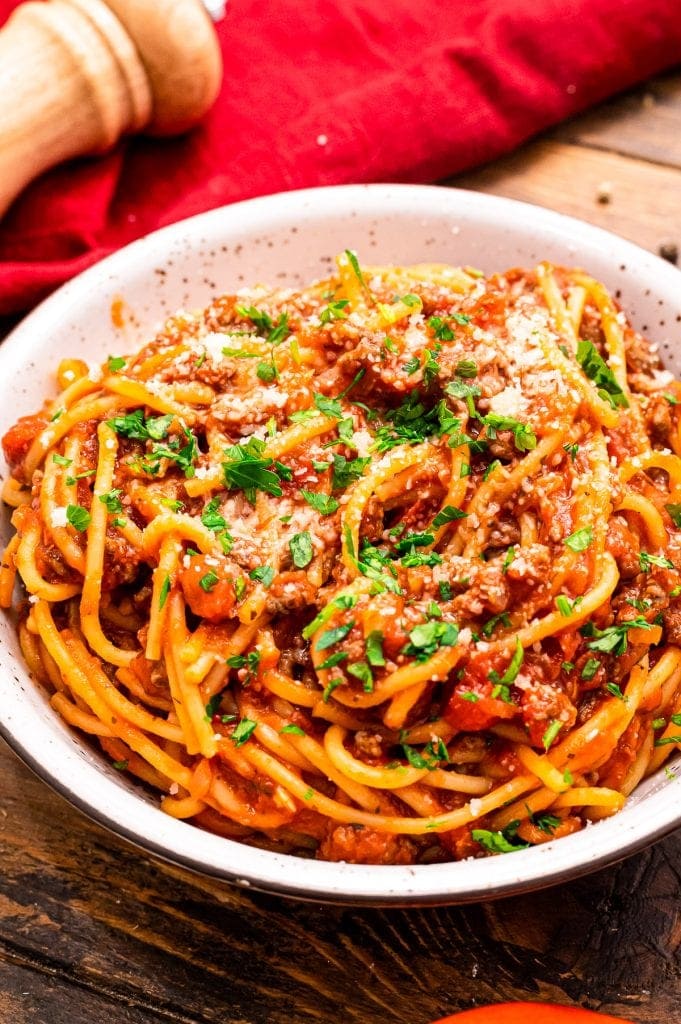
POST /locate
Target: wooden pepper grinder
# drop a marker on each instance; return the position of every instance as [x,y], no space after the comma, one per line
[75,75]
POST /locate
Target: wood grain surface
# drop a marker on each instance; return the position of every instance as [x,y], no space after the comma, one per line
[93,930]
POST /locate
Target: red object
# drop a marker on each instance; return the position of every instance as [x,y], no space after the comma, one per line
[529,1013]
[319,92]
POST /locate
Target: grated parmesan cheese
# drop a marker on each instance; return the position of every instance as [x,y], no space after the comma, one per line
[58,516]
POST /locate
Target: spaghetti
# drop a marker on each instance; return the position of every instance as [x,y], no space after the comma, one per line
[385,570]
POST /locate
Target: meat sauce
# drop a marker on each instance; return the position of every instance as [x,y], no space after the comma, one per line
[462,372]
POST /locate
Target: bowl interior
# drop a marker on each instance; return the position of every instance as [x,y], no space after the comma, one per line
[290,240]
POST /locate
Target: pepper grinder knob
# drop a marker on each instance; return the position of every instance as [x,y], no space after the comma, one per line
[76,75]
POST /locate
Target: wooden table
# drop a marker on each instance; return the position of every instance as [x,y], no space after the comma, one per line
[92,930]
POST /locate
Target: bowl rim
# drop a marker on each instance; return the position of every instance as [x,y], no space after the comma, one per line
[122,811]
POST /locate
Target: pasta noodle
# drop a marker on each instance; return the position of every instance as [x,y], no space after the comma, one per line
[385,570]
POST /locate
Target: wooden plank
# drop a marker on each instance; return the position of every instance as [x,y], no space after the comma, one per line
[643,202]
[99,917]
[643,123]
[34,996]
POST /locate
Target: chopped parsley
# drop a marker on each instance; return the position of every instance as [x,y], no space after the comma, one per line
[435,754]
[112,500]
[361,670]
[332,685]
[164,591]
[413,540]
[514,666]
[572,450]
[431,366]
[492,623]
[322,503]
[115,363]
[346,471]
[640,606]
[590,668]
[250,662]
[78,517]
[448,514]
[334,659]
[334,311]
[665,741]
[274,333]
[496,842]
[441,329]
[597,370]
[612,640]
[211,518]
[427,638]
[263,574]
[412,423]
[524,437]
[208,581]
[466,368]
[245,469]
[243,732]
[675,513]
[490,469]
[580,540]
[374,648]
[551,733]
[173,505]
[328,406]
[183,456]
[292,730]
[645,561]
[354,263]
[342,602]
[546,823]
[346,432]
[80,476]
[614,690]
[300,546]
[466,393]
[213,705]
[266,372]
[334,636]
[135,427]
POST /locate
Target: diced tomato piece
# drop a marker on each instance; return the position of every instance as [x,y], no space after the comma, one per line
[471,706]
[209,598]
[478,711]
[529,1013]
[20,437]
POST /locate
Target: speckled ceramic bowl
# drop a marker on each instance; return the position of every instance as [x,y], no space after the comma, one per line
[291,239]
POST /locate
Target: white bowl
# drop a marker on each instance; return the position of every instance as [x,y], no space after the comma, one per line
[291,239]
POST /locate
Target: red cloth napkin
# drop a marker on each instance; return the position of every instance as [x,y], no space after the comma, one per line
[318,92]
